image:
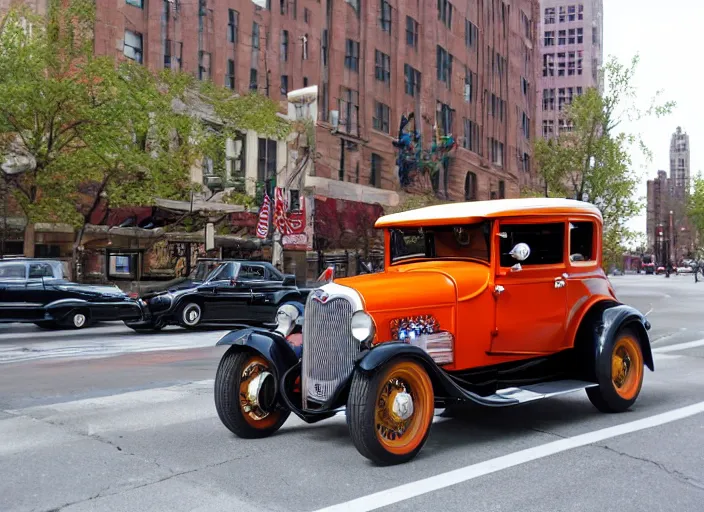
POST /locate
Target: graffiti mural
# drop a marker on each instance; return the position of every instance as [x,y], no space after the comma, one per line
[413,160]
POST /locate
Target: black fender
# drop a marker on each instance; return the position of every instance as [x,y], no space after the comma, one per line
[270,345]
[602,323]
[444,386]
[284,296]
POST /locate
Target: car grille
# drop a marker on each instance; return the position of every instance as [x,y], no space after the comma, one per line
[329,349]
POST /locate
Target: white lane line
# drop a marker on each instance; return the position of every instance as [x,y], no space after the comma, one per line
[443,480]
[679,346]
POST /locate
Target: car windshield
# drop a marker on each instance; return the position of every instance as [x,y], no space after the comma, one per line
[203,268]
[13,271]
[224,272]
[470,241]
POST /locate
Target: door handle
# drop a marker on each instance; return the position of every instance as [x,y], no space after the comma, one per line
[559,282]
[498,290]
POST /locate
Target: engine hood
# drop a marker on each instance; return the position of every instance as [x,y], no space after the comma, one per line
[427,284]
[93,290]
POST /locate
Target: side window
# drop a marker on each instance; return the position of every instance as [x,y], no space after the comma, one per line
[13,271]
[39,270]
[582,241]
[546,242]
[251,273]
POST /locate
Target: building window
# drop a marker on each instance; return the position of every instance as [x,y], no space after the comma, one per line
[526,162]
[232,24]
[446,117]
[255,36]
[496,151]
[471,136]
[471,34]
[253,83]
[283,4]
[412,30]
[548,99]
[571,13]
[411,79]
[167,54]
[444,64]
[133,46]
[324,46]
[561,64]
[470,85]
[580,35]
[580,12]
[203,65]
[470,187]
[266,162]
[352,55]
[562,37]
[548,128]
[561,98]
[549,38]
[565,126]
[385,19]
[284,85]
[305,81]
[579,91]
[502,189]
[230,77]
[549,15]
[496,106]
[525,125]
[525,22]
[349,110]
[549,64]
[571,36]
[571,63]
[375,173]
[500,64]
[306,15]
[380,121]
[563,14]
[445,13]
[294,5]
[382,67]
[135,3]
[294,200]
[525,87]
[284,45]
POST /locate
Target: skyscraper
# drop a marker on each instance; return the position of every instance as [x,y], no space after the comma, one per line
[571,53]
[679,162]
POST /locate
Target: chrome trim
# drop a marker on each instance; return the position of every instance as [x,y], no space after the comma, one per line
[329,349]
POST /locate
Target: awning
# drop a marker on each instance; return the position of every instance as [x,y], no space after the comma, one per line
[200,206]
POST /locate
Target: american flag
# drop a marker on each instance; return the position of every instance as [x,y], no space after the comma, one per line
[264,214]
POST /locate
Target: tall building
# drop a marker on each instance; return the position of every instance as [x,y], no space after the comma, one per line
[571,53]
[659,204]
[679,162]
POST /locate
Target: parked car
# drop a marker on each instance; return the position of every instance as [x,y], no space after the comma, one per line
[235,292]
[201,270]
[36,291]
[495,303]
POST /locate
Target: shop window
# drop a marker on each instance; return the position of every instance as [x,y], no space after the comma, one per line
[122,265]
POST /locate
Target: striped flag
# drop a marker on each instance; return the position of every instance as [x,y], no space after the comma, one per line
[264,214]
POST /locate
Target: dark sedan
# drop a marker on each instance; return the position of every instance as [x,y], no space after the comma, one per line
[235,292]
[35,291]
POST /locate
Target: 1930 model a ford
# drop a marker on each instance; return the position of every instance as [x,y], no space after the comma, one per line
[495,302]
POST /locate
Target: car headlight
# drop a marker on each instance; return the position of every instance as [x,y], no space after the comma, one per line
[362,327]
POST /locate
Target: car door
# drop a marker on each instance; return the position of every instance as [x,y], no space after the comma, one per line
[40,284]
[265,285]
[531,295]
[13,290]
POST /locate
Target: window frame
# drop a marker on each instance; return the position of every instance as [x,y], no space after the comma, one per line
[529,269]
[596,245]
[137,51]
[233,22]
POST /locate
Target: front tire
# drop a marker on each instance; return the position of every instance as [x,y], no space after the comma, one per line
[619,372]
[190,315]
[236,371]
[389,412]
[79,320]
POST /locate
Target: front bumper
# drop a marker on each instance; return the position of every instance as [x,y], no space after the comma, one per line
[290,393]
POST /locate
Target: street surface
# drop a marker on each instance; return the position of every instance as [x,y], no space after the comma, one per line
[109,420]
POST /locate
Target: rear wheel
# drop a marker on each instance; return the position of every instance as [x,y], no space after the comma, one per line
[79,320]
[389,412]
[619,372]
[245,395]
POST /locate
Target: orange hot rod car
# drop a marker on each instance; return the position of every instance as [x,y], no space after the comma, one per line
[493,302]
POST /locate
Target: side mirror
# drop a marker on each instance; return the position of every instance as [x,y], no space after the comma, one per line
[233,281]
[520,252]
[289,280]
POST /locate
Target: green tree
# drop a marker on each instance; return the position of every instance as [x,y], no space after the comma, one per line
[592,161]
[695,212]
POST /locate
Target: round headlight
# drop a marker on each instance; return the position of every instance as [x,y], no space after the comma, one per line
[362,326]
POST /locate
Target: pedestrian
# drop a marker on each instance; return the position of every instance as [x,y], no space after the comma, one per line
[695,268]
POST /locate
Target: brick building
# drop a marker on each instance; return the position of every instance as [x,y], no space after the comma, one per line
[571,53]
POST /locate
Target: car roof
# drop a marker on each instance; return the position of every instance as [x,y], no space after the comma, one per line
[475,211]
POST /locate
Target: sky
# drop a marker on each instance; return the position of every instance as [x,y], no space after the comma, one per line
[668,38]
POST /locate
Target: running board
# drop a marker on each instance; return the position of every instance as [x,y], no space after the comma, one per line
[529,393]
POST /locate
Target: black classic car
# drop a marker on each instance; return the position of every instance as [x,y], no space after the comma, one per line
[235,292]
[36,291]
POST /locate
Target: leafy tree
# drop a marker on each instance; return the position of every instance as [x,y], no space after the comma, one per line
[592,161]
[89,131]
[695,211]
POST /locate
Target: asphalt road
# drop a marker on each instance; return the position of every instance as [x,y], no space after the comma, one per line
[108,420]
